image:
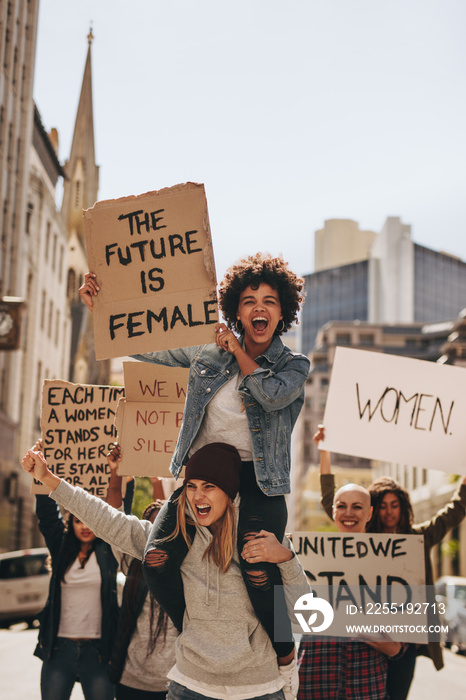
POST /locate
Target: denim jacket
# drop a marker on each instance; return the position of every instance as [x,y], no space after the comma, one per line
[273,397]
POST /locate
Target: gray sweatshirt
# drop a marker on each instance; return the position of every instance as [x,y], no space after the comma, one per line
[222,642]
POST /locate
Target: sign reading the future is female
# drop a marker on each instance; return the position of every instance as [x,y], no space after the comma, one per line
[154,262]
[396,409]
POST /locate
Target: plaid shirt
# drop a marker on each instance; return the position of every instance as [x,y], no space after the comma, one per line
[341,670]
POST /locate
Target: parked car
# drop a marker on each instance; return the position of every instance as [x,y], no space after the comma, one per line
[451,591]
[24,585]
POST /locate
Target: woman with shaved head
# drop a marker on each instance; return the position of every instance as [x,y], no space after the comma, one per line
[337,669]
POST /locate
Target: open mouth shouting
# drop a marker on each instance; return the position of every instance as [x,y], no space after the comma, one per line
[202,511]
[260,324]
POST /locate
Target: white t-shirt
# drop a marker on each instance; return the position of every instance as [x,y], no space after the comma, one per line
[81,604]
[225,420]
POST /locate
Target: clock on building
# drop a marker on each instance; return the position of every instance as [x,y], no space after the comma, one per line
[10,322]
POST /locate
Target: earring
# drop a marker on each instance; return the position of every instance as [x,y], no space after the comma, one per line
[280,330]
[239,326]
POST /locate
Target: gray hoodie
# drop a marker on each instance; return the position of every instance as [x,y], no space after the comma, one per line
[222,642]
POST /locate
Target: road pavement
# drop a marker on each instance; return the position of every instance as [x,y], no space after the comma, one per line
[21,671]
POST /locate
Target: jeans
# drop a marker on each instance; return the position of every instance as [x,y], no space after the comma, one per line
[72,661]
[124,692]
[180,692]
[400,674]
[257,512]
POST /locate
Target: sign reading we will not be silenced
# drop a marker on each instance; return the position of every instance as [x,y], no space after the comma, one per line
[153,258]
[77,428]
[149,418]
[396,409]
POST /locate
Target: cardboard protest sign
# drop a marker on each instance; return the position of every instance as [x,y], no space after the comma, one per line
[153,258]
[368,579]
[149,418]
[396,409]
[77,428]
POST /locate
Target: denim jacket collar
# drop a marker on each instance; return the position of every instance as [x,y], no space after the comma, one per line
[273,352]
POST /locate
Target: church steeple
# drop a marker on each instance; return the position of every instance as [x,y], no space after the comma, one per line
[82,184]
[80,192]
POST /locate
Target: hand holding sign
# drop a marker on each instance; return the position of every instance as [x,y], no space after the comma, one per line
[77,431]
[152,255]
[89,289]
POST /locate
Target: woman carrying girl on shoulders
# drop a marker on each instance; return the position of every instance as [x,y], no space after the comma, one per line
[246,390]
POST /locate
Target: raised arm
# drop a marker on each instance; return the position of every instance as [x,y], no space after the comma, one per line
[125,532]
[447,517]
[327,480]
[114,495]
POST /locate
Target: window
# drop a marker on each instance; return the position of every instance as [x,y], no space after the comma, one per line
[343,339]
[72,287]
[366,339]
[77,195]
[42,310]
[54,251]
[29,217]
[38,383]
[60,264]
[57,326]
[50,324]
[47,242]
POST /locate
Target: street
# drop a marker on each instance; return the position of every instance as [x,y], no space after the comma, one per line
[21,671]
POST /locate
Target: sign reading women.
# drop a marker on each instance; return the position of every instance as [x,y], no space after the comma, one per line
[149,418]
[396,409]
[153,258]
[77,428]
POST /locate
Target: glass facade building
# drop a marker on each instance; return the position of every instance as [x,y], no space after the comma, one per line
[338,294]
[439,285]
[343,293]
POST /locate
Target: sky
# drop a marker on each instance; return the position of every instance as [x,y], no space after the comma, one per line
[290,112]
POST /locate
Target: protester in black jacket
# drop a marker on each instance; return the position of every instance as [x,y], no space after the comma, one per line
[78,623]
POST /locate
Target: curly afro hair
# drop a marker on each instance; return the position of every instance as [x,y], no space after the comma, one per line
[378,489]
[252,271]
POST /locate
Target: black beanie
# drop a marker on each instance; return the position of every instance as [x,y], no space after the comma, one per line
[217,463]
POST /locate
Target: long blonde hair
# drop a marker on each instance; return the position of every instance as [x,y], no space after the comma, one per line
[222,547]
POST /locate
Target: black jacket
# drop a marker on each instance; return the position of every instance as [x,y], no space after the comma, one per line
[52,528]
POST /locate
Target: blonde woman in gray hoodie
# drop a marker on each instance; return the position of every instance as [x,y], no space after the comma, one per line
[223,651]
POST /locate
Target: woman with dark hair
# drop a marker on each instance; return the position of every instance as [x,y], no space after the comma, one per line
[393,513]
[246,391]
[144,648]
[78,623]
[392,509]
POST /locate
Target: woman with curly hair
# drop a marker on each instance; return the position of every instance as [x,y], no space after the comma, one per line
[247,390]
[393,513]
